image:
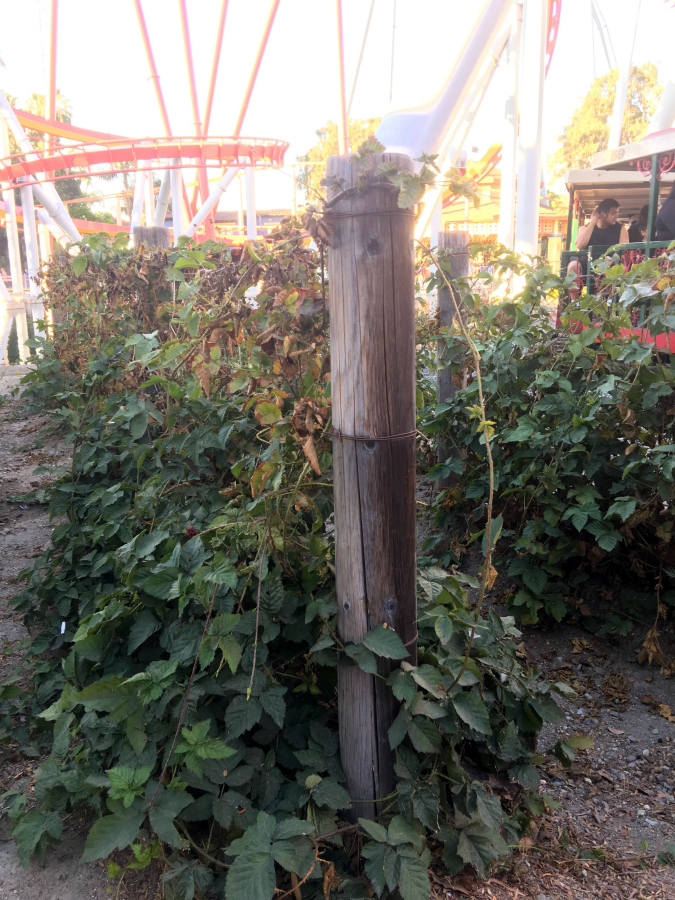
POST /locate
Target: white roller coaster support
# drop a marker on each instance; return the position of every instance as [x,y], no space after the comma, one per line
[251,214]
[177,202]
[30,238]
[46,193]
[137,208]
[417,131]
[10,220]
[458,131]
[507,194]
[149,201]
[163,199]
[49,223]
[664,114]
[531,108]
[616,122]
[212,200]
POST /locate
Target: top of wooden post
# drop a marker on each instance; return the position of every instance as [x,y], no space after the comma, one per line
[343,174]
[152,236]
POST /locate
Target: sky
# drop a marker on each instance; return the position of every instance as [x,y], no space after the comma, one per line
[102,70]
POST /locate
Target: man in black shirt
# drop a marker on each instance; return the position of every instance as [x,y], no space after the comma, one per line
[601,230]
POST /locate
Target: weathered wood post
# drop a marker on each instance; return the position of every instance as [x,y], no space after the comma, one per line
[152,236]
[457,242]
[371,269]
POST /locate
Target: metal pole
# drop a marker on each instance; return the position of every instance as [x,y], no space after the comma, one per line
[53,46]
[343,141]
[393,45]
[358,65]
[251,214]
[531,108]
[46,193]
[154,75]
[616,124]
[214,67]
[149,198]
[177,203]
[202,177]
[240,211]
[507,193]
[10,220]
[30,238]
[256,68]
[653,203]
[137,208]
[163,199]
[212,200]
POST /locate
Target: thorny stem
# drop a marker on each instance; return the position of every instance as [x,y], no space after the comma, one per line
[257,620]
[487,565]
[187,695]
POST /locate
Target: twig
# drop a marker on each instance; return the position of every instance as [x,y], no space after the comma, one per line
[185,698]
[199,850]
[257,620]
[296,887]
[487,565]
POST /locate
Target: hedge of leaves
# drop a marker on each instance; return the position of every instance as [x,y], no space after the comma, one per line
[184,654]
[584,444]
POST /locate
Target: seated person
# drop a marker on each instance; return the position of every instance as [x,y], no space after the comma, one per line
[638,231]
[602,230]
[665,221]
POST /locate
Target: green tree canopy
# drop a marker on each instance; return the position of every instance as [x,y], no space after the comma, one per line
[588,131]
[327,145]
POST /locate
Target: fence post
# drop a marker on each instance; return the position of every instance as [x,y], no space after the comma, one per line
[152,236]
[457,242]
[372,316]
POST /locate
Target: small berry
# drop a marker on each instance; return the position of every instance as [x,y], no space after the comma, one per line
[191,531]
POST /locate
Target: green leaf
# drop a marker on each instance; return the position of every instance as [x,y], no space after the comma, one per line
[272,701]
[413,877]
[535,579]
[400,832]
[375,853]
[113,833]
[79,263]
[375,830]
[251,876]
[292,827]
[425,737]
[580,742]
[168,804]
[471,709]
[138,425]
[443,628]
[35,827]
[331,794]
[385,642]
[222,571]
[622,506]
[165,584]
[242,715]
[402,685]
[145,625]
[480,845]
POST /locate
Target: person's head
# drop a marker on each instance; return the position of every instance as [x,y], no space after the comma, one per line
[608,211]
[642,219]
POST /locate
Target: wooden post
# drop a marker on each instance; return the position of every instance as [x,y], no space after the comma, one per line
[371,270]
[152,236]
[457,242]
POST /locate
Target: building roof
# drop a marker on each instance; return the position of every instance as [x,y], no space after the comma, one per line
[626,157]
[629,188]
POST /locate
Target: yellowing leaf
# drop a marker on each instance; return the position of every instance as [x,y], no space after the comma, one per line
[267,413]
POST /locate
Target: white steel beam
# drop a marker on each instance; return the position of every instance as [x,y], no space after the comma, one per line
[531,109]
[212,200]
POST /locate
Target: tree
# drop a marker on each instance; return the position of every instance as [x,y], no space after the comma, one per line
[588,131]
[327,145]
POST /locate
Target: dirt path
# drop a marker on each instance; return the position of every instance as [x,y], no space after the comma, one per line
[24,533]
